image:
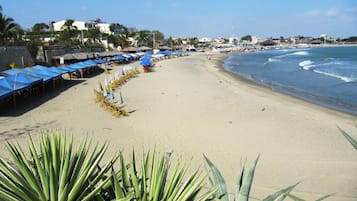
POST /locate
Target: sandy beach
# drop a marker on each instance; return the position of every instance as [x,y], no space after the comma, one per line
[191,106]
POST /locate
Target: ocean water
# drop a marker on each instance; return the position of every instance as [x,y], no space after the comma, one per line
[326,76]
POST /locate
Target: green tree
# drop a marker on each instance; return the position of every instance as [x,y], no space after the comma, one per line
[8,28]
[131,32]
[40,27]
[193,41]
[247,38]
[69,34]
[119,40]
[117,28]
[170,42]
[68,25]
[93,35]
[157,36]
[143,37]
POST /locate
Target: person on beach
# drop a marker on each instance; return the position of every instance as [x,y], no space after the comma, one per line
[209,56]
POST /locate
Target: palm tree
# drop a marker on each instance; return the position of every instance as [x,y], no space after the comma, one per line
[68,25]
[93,35]
[117,28]
[68,34]
[7,27]
[143,37]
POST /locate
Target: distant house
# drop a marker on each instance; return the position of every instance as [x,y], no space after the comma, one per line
[16,56]
[268,42]
[84,25]
[316,42]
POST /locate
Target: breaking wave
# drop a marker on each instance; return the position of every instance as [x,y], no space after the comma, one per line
[307,64]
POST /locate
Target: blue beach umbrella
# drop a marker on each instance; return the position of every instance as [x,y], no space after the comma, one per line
[5,88]
[23,79]
[145,62]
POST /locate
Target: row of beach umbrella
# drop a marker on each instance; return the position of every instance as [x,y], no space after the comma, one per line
[15,80]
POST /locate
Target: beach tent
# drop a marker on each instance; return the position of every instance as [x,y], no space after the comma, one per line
[5,88]
[77,66]
[145,62]
[140,54]
[21,82]
[128,57]
[23,79]
[147,57]
[57,70]
[46,77]
[118,57]
[68,69]
[100,61]
[12,71]
[165,53]
[177,52]
[89,63]
[47,71]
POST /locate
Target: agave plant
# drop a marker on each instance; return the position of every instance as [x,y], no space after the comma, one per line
[244,184]
[156,182]
[53,171]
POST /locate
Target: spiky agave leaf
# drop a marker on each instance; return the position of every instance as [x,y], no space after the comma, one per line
[280,195]
[218,181]
[154,182]
[53,171]
[239,179]
[296,198]
[349,138]
[244,191]
[325,197]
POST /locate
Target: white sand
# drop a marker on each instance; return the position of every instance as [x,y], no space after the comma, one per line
[190,106]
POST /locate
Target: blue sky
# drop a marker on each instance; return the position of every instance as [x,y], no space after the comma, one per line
[213,18]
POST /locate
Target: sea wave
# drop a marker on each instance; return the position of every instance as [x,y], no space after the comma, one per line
[307,64]
[335,75]
[272,59]
[298,53]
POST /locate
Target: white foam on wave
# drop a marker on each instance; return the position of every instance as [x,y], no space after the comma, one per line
[346,79]
[307,64]
[299,53]
[272,60]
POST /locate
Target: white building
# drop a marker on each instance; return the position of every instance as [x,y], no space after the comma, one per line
[104,28]
[233,40]
[83,25]
[205,40]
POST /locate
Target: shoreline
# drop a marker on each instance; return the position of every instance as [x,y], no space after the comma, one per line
[191,106]
[322,106]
